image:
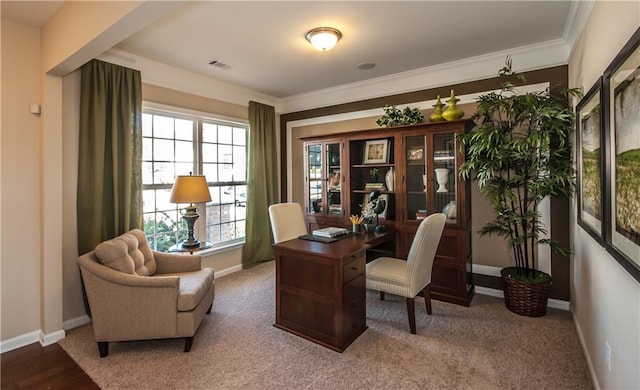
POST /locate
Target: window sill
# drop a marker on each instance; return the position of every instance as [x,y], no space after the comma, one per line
[216,250]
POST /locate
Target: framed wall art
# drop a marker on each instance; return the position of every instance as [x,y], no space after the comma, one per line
[375,152]
[622,180]
[590,162]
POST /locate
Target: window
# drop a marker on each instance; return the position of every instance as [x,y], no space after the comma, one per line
[176,144]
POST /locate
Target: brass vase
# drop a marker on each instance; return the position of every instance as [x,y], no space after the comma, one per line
[452,112]
[437,113]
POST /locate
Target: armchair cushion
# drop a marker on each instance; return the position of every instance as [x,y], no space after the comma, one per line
[193,287]
[129,253]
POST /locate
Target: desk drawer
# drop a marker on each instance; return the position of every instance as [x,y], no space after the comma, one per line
[354,266]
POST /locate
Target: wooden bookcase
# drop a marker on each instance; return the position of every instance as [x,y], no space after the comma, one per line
[424,160]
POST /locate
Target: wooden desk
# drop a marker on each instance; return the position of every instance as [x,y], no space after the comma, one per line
[320,288]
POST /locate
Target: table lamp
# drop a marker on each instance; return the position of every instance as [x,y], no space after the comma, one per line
[190,189]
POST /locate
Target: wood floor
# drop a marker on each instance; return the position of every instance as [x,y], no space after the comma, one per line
[37,367]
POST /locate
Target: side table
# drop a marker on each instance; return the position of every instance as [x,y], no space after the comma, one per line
[178,248]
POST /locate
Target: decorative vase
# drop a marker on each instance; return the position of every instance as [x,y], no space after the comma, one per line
[390,179]
[356,228]
[424,182]
[437,113]
[525,298]
[442,177]
[450,210]
[452,112]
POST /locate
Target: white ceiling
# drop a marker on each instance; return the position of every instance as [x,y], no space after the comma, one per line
[263,42]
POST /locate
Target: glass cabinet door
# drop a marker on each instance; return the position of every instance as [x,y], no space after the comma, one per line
[334,179]
[324,179]
[444,185]
[314,179]
[430,176]
[416,177]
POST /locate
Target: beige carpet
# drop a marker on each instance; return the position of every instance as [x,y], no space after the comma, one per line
[480,347]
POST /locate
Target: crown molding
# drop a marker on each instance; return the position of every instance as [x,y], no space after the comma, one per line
[538,56]
[578,16]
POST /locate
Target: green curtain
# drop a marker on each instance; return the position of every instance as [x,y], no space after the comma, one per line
[262,187]
[110,153]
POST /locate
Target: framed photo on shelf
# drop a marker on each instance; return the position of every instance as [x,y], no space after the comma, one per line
[622,89]
[590,162]
[415,153]
[376,151]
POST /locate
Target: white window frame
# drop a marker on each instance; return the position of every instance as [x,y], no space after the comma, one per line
[199,118]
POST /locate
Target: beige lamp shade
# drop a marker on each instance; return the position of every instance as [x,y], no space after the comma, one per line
[190,189]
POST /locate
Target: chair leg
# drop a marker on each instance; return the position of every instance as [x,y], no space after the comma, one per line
[427,298]
[103,348]
[382,295]
[209,309]
[411,312]
[188,342]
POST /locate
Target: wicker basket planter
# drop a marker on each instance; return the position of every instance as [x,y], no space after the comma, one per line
[525,298]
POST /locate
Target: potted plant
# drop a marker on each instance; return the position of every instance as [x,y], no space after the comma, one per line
[393,116]
[520,152]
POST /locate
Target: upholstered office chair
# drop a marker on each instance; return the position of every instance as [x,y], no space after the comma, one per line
[408,278]
[287,221]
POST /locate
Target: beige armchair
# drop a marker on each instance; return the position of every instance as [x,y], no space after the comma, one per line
[136,293]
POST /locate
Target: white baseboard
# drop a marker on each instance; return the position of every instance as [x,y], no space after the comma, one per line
[554,303]
[592,370]
[229,270]
[76,322]
[50,338]
[19,341]
[485,270]
[41,337]
[489,291]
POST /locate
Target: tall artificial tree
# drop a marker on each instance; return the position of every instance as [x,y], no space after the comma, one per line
[519,153]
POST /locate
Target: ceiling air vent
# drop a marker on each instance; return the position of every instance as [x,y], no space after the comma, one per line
[219,64]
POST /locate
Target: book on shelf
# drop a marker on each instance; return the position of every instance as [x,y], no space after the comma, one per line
[330,232]
[440,155]
[374,186]
[421,214]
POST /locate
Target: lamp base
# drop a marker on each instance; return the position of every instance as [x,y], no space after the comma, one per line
[190,244]
[190,218]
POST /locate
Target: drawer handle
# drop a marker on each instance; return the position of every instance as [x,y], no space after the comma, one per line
[354,268]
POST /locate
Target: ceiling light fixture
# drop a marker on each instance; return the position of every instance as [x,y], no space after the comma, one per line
[324,38]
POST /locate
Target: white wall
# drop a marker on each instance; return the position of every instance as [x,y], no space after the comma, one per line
[605,298]
[20,255]
[32,188]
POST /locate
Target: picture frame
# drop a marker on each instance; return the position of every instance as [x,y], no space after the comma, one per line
[590,117]
[622,156]
[415,153]
[376,151]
